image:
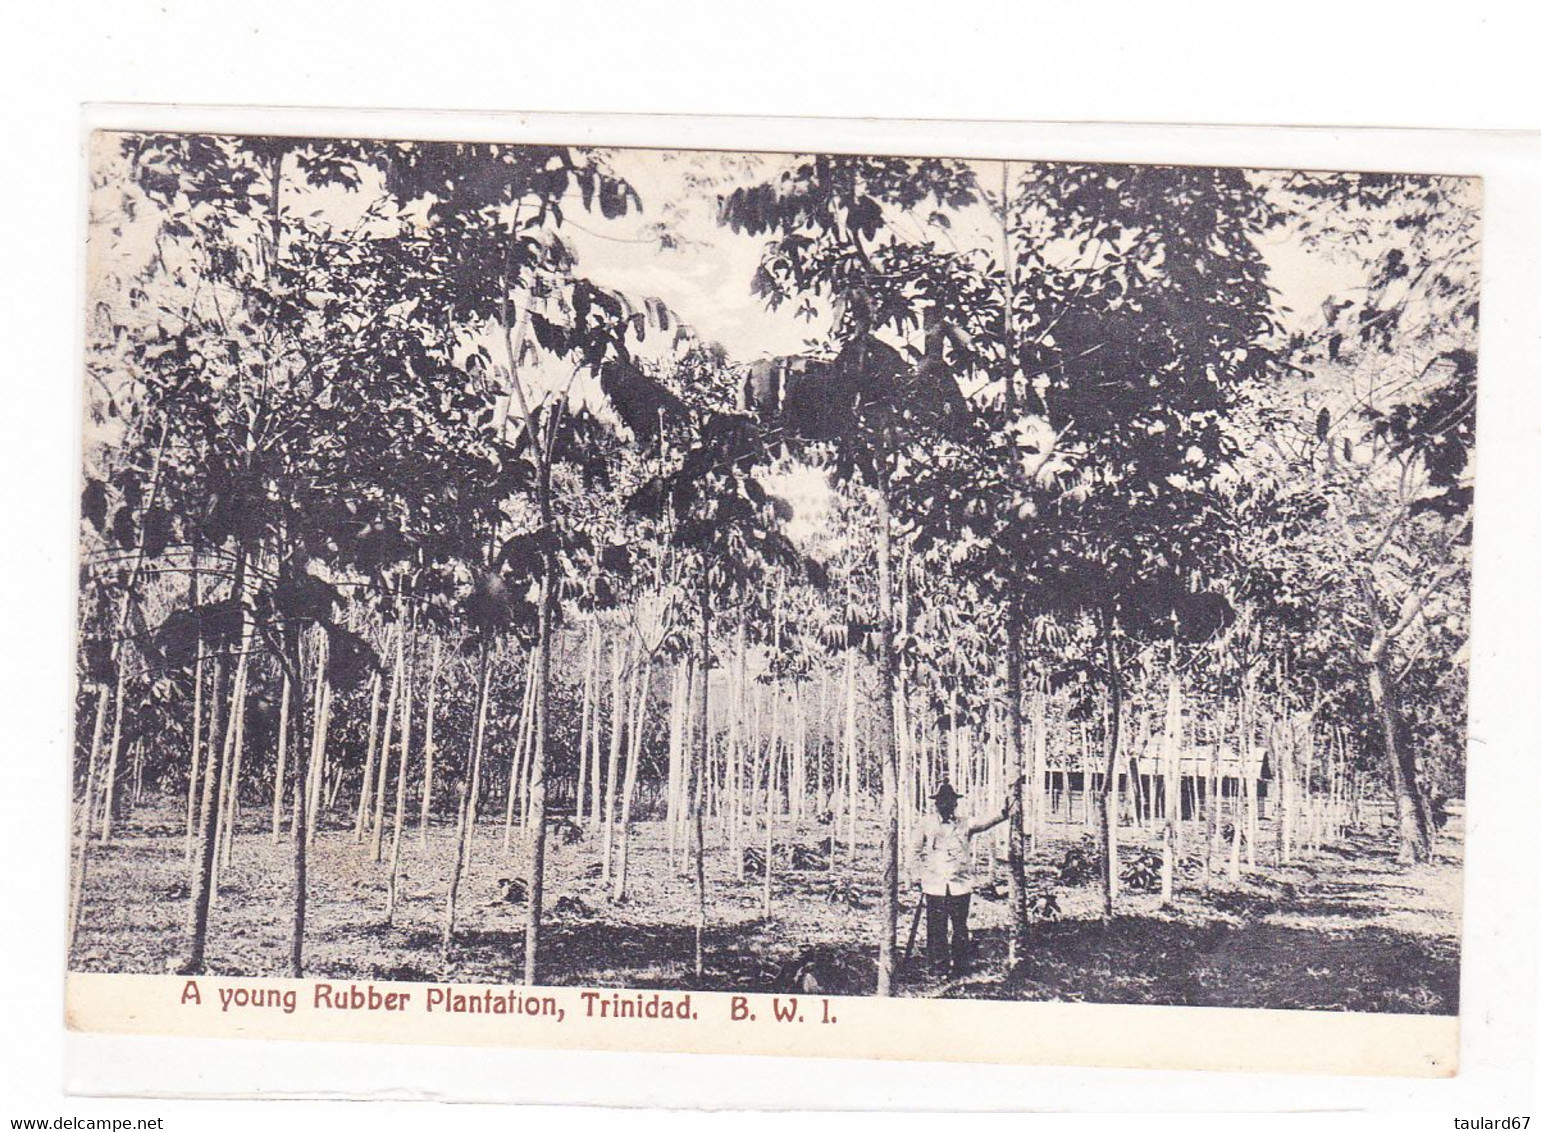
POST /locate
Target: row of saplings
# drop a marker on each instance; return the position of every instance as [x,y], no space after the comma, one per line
[1079,865]
[818,969]
[823,969]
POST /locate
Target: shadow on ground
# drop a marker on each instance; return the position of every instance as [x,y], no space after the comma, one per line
[1346,928]
[1126,960]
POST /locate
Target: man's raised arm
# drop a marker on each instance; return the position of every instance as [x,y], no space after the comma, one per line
[980,825]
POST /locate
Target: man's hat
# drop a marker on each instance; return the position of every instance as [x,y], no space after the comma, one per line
[946,794]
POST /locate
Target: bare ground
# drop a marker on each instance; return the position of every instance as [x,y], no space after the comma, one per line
[1343,928]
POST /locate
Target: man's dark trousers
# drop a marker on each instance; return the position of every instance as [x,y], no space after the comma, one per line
[942,911]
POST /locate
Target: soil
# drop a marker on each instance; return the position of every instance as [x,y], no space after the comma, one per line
[1344,927]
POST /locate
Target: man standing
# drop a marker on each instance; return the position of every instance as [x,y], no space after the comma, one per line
[941,846]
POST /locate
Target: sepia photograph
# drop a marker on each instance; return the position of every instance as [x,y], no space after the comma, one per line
[549,581]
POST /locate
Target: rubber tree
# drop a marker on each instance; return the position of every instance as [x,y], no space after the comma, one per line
[218,369]
[724,542]
[1141,310]
[1387,372]
[833,239]
[292,479]
[496,214]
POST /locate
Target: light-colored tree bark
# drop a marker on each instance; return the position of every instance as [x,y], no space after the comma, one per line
[465,832]
[383,770]
[321,714]
[523,733]
[279,762]
[1171,755]
[109,787]
[303,834]
[698,797]
[194,756]
[87,808]
[1212,797]
[612,766]
[633,758]
[851,773]
[672,770]
[205,858]
[591,660]
[404,662]
[425,813]
[596,750]
[227,758]
[770,831]
[366,784]
[888,756]
[1016,830]
[1108,810]
[233,800]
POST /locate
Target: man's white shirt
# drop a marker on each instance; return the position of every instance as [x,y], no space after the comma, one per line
[942,854]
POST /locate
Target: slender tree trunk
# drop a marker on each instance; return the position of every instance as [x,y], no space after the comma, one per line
[1249,793]
[633,757]
[800,754]
[1089,806]
[851,773]
[887,752]
[672,777]
[1250,765]
[1412,825]
[1171,749]
[404,662]
[591,659]
[537,790]
[905,800]
[456,866]
[1312,809]
[110,786]
[1108,811]
[523,735]
[222,794]
[238,709]
[1339,789]
[321,718]
[465,834]
[429,750]
[822,790]
[688,780]
[1016,834]
[305,818]
[617,729]
[1212,795]
[88,807]
[366,785]
[770,830]
[733,772]
[1040,773]
[1238,761]
[1234,865]
[301,783]
[596,749]
[698,796]
[279,763]
[194,760]
[136,763]
[383,769]
[201,891]
[1281,756]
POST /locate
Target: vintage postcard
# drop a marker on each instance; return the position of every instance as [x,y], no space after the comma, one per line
[793,603]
